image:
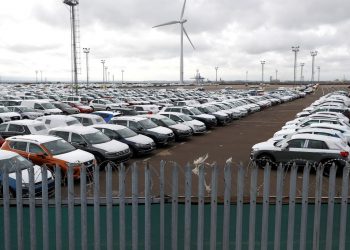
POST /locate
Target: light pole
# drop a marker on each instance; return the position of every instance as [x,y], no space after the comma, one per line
[122,76]
[319,71]
[216,74]
[313,55]
[246,76]
[276,74]
[36,76]
[41,76]
[295,49]
[106,77]
[87,51]
[262,70]
[103,70]
[301,72]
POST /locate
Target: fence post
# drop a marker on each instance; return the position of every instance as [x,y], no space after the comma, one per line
[19,203]
[330,210]
[318,194]
[109,216]
[32,209]
[252,205]
[122,206]
[174,208]
[227,202]
[58,211]
[71,234]
[148,227]
[266,202]
[239,215]
[200,227]
[291,207]
[278,213]
[6,193]
[305,202]
[188,191]
[134,207]
[344,207]
[161,196]
[45,208]
[214,202]
[97,208]
[83,207]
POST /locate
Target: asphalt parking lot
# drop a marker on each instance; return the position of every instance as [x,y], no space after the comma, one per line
[232,141]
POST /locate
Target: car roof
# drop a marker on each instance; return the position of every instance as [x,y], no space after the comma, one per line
[83,115]
[109,126]
[130,118]
[57,117]
[314,137]
[4,154]
[156,116]
[76,129]
[106,112]
[25,122]
[34,138]
[172,113]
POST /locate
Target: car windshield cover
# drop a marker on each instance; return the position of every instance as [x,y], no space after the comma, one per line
[147,124]
[195,111]
[185,118]
[73,122]
[58,147]
[96,138]
[167,121]
[15,162]
[4,109]
[126,133]
[47,106]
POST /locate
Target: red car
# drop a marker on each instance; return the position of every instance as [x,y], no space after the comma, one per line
[82,108]
[2,140]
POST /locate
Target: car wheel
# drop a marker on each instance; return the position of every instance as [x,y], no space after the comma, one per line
[92,108]
[108,108]
[264,159]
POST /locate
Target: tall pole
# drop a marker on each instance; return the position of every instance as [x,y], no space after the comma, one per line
[216,74]
[246,76]
[301,72]
[87,51]
[319,70]
[182,55]
[295,49]
[313,55]
[103,70]
[106,76]
[262,70]
[276,74]
[122,76]
[36,76]
[41,76]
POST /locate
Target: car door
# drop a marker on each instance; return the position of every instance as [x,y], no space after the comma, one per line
[315,150]
[294,150]
[19,147]
[15,129]
[78,141]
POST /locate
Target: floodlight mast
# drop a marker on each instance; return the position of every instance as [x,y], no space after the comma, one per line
[87,51]
[313,55]
[301,72]
[216,74]
[295,49]
[262,70]
[75,40]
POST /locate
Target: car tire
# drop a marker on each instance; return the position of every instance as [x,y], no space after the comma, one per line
[263,159]
[108,108]
[92,108]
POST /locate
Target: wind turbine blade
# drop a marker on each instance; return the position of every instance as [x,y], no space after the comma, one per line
[183,10]
[164,24]
[189,38]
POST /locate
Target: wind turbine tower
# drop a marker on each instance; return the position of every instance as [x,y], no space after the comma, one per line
[75,40]
[183,30]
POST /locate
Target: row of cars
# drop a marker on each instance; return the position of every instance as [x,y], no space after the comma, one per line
[88,140]
[319,134]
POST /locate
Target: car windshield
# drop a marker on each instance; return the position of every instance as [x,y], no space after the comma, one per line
[214,108]
[195,111]
[73,122]
[4,109]
[99,121]
[47,105]
[64,105]
[27,109]
[147,124]
[58,147]
[126,133]
[107,101]
[14,163]
[96,138]
[185,118]
[167,121]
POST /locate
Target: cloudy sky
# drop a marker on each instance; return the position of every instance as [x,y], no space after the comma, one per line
[233,35]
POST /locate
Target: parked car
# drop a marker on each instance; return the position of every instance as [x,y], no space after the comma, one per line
[7,115]
[52,151]
[303,147]
[126,111]
[94,141]
[89,119]
[146,109]
[102,104]
[197,127]
[107,115]
[2,140]
[53,121]
[181,131]
[25,112]
[81,107]
[221,117]
[66,108]
[44,106]
[142,125]
[80,99]
[22,127]
[13,162]
[138,144]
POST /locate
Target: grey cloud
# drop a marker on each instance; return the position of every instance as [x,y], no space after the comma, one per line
[28,48]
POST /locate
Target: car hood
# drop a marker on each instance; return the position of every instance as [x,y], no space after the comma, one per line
[205,116]
[267,145]
[111,146]
[37,175]
[36,114]
[161,130]
[141,139]
[9,114]
[76,156]
[196,122]
[180,127]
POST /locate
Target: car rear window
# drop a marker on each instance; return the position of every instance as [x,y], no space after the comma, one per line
[39,128]
[316,144]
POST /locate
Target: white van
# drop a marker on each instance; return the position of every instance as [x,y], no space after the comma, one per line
[54,121]
[42,105]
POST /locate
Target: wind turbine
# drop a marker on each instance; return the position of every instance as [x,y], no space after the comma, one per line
[183,30]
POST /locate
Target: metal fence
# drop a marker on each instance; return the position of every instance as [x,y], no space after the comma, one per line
[166,213]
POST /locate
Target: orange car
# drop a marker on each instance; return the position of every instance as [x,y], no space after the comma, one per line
[50,150]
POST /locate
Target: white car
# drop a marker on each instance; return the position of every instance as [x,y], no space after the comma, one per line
[103,104]
[42,105]
[7,115]
[89,119]
[310,121]
[23,127]
[54,121]
[197,127]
